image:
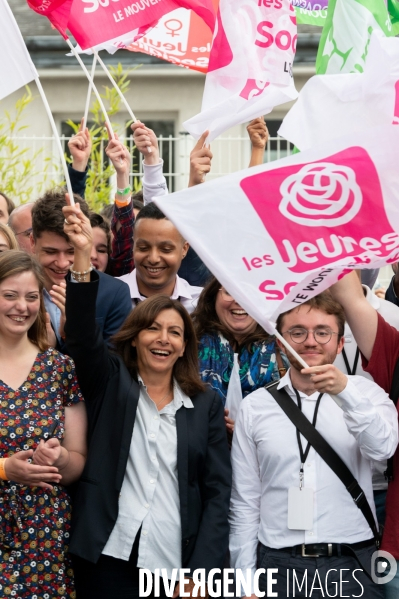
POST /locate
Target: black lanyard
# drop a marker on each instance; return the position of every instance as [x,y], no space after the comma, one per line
[356,360]
[304,455]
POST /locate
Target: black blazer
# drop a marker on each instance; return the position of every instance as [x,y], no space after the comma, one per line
[111,394]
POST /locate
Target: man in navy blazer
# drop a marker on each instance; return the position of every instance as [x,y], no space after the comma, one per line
[54,252]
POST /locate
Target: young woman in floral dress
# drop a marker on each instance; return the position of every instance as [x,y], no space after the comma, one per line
[42,440]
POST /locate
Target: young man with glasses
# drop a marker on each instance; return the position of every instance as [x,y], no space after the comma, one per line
[325,543]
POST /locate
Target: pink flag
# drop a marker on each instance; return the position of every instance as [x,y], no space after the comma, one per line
[180,37]
[250,69]
[93,22]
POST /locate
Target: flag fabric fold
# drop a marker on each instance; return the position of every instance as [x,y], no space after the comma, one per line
[346,35]
[16,66]
[352,102]
[95,22]
[278,234]
[250,69]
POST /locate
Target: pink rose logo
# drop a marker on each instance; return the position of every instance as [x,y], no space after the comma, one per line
[321,194]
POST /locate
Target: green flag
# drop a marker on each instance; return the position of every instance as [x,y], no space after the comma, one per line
[346,34]
[306,16]
[393,9]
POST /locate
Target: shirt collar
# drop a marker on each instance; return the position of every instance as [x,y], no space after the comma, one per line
[182,287]
[285,382]
[179,397]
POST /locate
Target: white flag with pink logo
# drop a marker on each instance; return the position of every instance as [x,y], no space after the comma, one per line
[16,66]
[250,65]
[278,234]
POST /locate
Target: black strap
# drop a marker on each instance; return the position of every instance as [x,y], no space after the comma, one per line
[327,453]
[350,370]
[393,394]
[304,454]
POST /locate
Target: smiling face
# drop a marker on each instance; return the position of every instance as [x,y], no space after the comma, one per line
[232,316]
[55,254]
[161,344]
[314,353]
[99,252]
[158,251]
[19,303]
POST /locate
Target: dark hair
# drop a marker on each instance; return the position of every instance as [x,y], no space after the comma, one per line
[107,211]
[96,220]
[138,204]
[15,262]
[138,196]
[150,211]
[185,370]
[47,212]
[324,302]
[206,320]
[9,202]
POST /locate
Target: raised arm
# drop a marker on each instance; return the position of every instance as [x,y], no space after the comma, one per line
[361,316]
[84,340]
[80,147]
[121,259]
[200,161]
[259,135]
[154,182]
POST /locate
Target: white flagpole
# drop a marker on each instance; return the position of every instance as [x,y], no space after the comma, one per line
[93,86]
[122,97]
[290,349]
[93,70]
[57,139]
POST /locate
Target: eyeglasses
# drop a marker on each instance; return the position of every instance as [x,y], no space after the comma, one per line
[226,295]
[25,233]
[299,335]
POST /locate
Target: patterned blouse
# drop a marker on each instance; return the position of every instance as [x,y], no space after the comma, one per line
[35,522]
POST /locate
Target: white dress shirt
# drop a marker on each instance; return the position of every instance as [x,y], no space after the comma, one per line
[150,493]
[266,463]
[184,292]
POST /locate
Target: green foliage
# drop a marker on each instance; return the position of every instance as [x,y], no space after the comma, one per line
[18,165]
[19,175]
[98,187]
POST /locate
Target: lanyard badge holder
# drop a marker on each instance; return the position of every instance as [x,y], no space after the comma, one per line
[301,500]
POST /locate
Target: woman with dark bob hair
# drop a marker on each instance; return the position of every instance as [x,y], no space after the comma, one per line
[156,487]
[224,329]
[42,440]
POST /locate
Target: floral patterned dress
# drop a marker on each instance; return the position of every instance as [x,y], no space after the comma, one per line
[35,522]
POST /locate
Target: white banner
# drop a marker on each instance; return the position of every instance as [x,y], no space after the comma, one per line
[250,67]
[330,104]
[278,234]
[16,66]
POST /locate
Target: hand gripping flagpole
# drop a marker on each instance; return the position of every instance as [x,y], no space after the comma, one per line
[95,90]
[57,139]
